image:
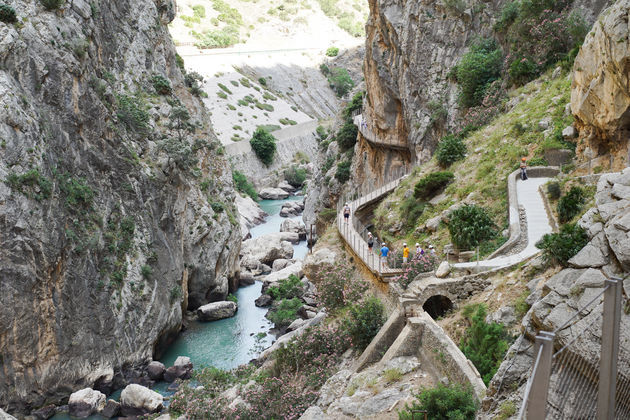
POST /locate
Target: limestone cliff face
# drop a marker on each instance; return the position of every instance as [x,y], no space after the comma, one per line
[554,302]
[411,46]
[600,95]
[104,239]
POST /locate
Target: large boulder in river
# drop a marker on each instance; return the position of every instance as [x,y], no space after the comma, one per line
[273,194]
[216,310]
[295,226]
[6,416]
[293,269]
[155,370]
[86,402]
[250,214]
[181,369]
[291,208]
[137,400]
[111,409]
[268,248]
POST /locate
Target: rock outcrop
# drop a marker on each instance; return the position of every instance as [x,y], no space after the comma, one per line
[216,310]
[86,402]
[107,236]
[600,94]
[553,303]
[137,400]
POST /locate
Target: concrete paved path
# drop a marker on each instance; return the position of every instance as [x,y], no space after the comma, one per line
[537,225]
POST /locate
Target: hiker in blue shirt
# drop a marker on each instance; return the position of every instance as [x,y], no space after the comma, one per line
[384,252]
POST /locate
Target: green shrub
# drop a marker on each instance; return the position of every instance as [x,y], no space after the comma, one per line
[469,226]
[450,150]
[52,4]
[355,103]
[243,185]
[269,96]
[477,69]
[347,136]
[444,402]
[324,69]
[484,344]
[570,204]
[553,190]
[231,298]
[146,271]
[340,81]
[431,184]
[321,132]
[217,38]
[132,112]
[410,210]
[365,320]
[509,13]
[199,11]
[224,88]
[285,313]
[562,246]
[7,13]
[217,206]
[161,84]
[332,52]
[27,182]
[77,192]
[343,171]
[288,288]
[295,176]
[266,107]
[264,145]
[262,81]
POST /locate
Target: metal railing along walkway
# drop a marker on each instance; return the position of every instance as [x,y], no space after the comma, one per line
[354,232]
[372,138]
[575,373]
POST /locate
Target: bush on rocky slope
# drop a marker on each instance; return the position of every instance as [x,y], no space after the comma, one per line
[562,246]
[444,402]
[7,13]
[450,149]
[469,226]
[484,344]
[264,145]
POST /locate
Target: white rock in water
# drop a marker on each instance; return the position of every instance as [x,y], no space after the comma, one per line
[273,194]
[215,311]
[137,400]
[86,402]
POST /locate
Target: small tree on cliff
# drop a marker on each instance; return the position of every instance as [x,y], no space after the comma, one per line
[177,144]
[264,145]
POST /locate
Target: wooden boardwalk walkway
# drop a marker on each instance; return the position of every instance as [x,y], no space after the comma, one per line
[355,234]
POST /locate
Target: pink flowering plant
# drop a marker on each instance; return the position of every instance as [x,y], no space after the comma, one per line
[419,264]
[338,285]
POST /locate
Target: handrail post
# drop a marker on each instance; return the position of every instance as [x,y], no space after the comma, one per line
[610,350]
[537,401]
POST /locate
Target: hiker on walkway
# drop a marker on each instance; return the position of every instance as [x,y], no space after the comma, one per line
[432,251]
[370,241]
[523,169]
[346,212]
[384,252]
[405,253]
[419,251]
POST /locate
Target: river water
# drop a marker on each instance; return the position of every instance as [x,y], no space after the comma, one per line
[227,343]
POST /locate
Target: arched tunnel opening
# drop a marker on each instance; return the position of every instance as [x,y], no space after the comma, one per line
[437,306]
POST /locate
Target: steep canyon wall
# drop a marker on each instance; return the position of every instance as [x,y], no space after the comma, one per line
[105,233]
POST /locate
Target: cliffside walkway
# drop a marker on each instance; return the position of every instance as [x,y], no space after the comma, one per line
[375,140]
[538,225]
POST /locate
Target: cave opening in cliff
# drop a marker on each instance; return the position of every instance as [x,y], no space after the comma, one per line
[437,306]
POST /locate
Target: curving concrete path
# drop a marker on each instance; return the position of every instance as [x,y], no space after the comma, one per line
[538,225]
[526,194]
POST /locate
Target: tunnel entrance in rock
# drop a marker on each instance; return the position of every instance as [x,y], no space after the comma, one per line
[437,306]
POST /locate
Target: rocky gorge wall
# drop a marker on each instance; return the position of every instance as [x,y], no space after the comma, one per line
[107,234]
[600,95]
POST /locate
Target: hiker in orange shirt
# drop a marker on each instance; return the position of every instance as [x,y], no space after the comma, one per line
[405,253]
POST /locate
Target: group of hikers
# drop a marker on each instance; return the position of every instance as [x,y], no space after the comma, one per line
[384,251]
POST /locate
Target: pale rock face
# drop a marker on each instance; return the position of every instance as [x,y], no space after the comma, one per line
[215,311]
[137,400]
[56,264]
[273,194]
[268,248]
[443,270]
[86,402]
[250,214]
[600,93]
[5,416]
